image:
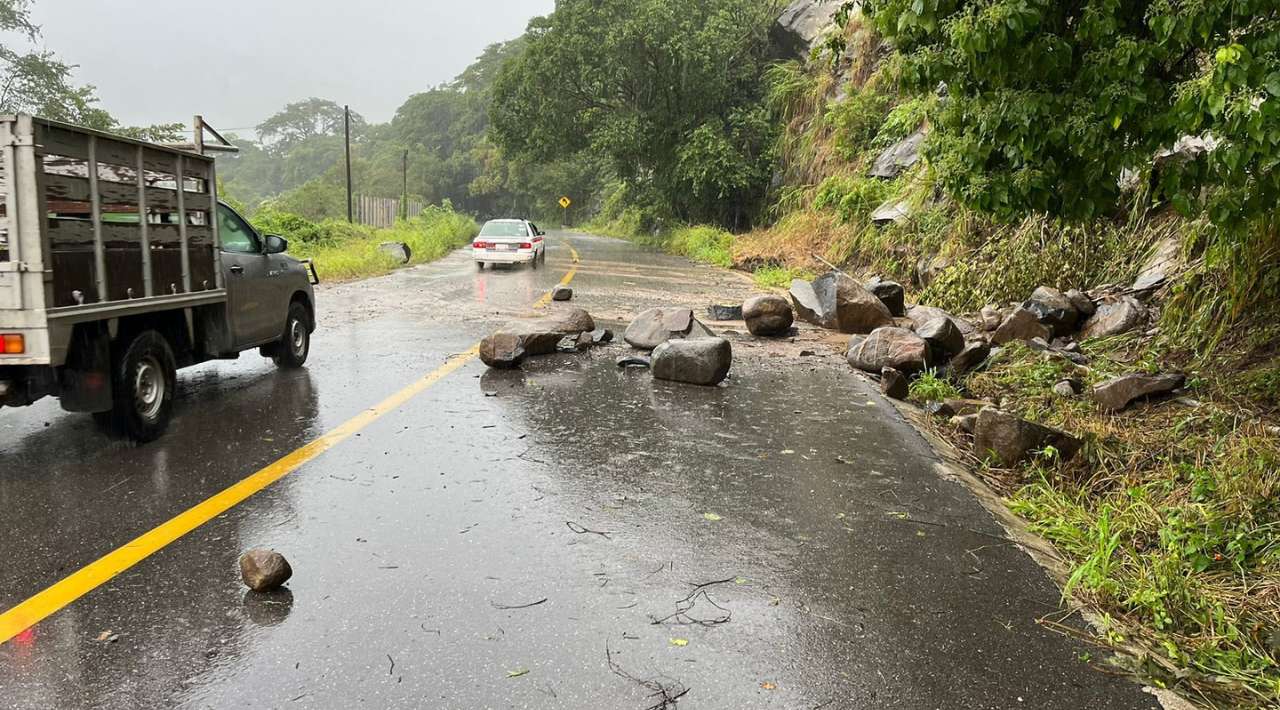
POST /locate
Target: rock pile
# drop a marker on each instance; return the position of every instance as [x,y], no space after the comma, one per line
[510,345]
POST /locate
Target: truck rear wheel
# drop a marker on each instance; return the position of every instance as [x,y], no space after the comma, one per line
[295,344]
[144,378]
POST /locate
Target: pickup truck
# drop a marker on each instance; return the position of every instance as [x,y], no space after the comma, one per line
[119,266]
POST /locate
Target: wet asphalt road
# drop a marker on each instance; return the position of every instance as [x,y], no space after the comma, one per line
[847,573]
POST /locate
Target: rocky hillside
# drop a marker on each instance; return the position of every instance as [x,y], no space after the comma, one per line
[1117,378]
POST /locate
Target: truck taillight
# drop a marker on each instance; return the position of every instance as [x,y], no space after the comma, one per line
[12,344]
[526,245]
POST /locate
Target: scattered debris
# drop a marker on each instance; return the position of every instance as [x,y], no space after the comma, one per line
[837,302]
[506,607]
[1022,324]
[561,293]
[724,312]
[509,346]
[1011,440]
[1114,317]
[1053,309]
[263,570]
[686,605]
[518,672]
[1116,394]
[667,696]
[658,325]
[893,384]
[898,348]
[586,531]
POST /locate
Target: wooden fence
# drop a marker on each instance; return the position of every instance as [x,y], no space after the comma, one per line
[382,211]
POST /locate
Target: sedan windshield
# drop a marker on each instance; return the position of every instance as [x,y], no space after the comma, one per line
[504,229]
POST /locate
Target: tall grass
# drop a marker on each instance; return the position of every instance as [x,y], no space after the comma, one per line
[343,252]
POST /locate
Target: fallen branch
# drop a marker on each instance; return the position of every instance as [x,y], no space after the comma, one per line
[684,606]
[667,697]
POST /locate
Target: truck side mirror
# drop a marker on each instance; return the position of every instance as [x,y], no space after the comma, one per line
[276,244]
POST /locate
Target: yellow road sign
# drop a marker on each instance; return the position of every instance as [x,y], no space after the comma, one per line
[565,202]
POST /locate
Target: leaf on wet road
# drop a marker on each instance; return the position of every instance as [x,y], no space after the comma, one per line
[712,517]
[768,686]
[518,672]
[680,642]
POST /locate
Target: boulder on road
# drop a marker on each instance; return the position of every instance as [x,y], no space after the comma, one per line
[1114,317]
[893,384]
[920,315]
[975,353]
[767,315]
[698,361]
[944,337]
[898,348]
[264,570]
[1053,309]
[1009,440]
[561,293]
[891,294]
[398,251]
[837,302]
[508,346]
[658,325]
[1022,324]
[1116,394]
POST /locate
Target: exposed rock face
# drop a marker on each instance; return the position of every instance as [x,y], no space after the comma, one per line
[920,315]
[837,302]
[1054,309]
[891,294]
[767,315]
[698,361]
[975,353]
[658,325]
[1010,440]
[891,212]
[561,293]
[944,336]
[1114,317]
[507,347]
[893,384]
[264,570]
[898,157]
[1084,305]
[399,251]
[1162,264]
[803,24]
[1022,324]
[1114,395]
[898,348]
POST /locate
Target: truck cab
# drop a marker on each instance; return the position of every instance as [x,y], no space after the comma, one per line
[119,266]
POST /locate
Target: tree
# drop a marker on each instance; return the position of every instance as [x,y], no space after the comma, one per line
[1047,102]
[301,121]
[637,81]
[36,81]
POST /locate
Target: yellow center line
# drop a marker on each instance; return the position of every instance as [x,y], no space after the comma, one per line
[62,593]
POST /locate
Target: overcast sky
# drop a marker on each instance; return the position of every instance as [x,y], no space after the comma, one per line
[238,61]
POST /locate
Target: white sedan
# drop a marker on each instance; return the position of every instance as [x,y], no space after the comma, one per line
[509,241]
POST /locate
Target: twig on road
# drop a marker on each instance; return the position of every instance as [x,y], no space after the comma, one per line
[667,697]
[684,606]
[584,531]
[518,606]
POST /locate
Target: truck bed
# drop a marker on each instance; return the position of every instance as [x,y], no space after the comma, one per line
[94,225]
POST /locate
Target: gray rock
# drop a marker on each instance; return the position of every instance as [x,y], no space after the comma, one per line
[1022,324]
[991,318]
[1054,309]
[264,570]
[803,24]
[898,348]
[723,312]
[633,361]
[600,336]
[958,407]
[1164,261]
[1084,305]
[944,337]
[767,315]
[898,157]
[1009,440]
[561,293]
[920,315]
[891,212]
[510,345]
[1116,394]
[964,423]
[891,294]
[1114,317]
[837,302]
[928,268]
[658,325]
[399,251]
[893,384]
[975,353]
[1065,389]
[698,361]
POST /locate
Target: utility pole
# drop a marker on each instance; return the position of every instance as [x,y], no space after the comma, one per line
[346,111]
[404,192]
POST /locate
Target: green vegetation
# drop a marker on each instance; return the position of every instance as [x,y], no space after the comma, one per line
[929,386]
[345,251]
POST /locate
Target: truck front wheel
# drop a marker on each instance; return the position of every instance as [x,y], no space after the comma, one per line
[295,344]
[144,378]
